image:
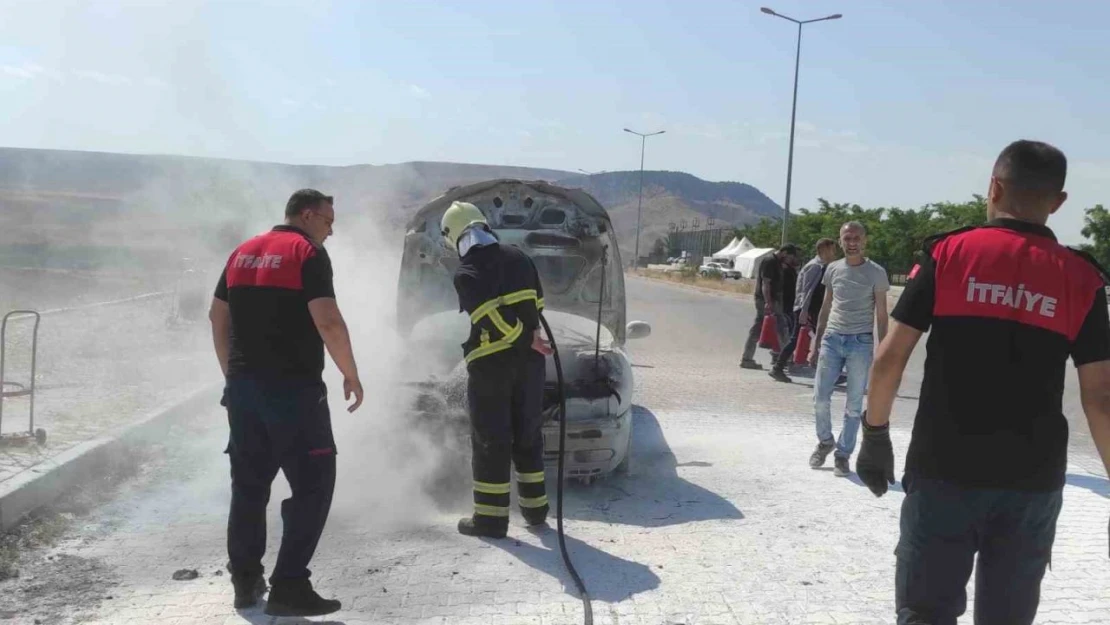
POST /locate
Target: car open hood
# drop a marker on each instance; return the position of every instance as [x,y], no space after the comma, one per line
[565,232]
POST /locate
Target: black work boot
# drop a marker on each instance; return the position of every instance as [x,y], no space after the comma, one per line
[817,458]
[751,364]
[535,519]
[841,467]
[779,375]
[296,597]
[248,590]
[470,527]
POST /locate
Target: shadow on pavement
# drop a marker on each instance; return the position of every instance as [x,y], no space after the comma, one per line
[1097,485]
[607,577]
[896,487]
[255,616]
[652,494]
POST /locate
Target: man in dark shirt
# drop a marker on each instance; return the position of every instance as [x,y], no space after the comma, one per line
[1006,306]
[809,293]
[505,354]
[789,288]
[273,312]
[768,301]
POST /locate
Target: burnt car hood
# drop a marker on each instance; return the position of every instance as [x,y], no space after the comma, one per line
[565,231]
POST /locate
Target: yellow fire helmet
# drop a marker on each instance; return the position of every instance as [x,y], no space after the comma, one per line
[457,218]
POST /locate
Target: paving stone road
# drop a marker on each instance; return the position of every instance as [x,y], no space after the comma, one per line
[721,521]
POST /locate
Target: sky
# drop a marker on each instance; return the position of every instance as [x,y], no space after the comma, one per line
[899,103]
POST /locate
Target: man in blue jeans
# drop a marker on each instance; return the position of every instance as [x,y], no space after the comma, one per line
[855,299]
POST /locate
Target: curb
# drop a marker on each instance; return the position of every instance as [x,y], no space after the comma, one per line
[42,483]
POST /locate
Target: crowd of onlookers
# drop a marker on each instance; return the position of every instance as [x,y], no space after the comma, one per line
[836,304]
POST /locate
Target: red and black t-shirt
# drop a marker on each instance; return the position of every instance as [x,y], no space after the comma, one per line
[1007,306]
[268,282]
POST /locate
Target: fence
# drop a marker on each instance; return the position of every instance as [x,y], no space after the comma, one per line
[698,244]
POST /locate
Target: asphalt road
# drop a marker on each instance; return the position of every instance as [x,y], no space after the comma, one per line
[699,335]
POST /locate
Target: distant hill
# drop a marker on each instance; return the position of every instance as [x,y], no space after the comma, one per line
[60,207]
[672,197]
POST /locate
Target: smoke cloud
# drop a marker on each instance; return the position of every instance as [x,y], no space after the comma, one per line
[388,459]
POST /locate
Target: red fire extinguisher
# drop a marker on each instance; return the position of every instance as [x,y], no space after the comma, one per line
[768,338]
[801,350]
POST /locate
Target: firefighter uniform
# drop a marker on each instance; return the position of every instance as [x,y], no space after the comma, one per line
[499,288]
[1006,307]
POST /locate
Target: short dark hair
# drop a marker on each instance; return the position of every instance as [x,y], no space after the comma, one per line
[790,249]
[1033,168]
[854,225]
[303,199]
[824,243]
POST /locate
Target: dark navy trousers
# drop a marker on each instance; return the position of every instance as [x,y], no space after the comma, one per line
[278,424]
[944,526]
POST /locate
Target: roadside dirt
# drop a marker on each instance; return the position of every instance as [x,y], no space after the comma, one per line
[742,287]
[40,581]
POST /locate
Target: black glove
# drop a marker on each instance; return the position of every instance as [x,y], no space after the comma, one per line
[875,464]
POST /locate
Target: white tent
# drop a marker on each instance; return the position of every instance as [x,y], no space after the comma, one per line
[748,262]
[728,251]
[734,249]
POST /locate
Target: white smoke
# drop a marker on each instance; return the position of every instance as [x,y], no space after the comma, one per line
[385,458]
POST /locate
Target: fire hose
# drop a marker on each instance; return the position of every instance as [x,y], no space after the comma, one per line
[583,593]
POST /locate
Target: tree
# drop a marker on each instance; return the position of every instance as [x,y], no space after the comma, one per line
[1096,229]
[659,250]
[894,235]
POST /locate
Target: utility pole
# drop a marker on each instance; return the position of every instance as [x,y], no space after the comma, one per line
[794,107]
[640,202]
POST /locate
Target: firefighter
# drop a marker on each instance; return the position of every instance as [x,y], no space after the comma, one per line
[273,313]
[1006,306]
[505,354]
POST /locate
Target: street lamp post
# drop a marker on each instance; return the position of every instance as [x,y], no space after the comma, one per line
[794,107]
[640,202]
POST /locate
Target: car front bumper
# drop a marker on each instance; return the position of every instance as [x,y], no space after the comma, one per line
[594,447]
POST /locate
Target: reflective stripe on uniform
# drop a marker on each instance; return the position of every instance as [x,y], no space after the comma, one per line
[496,511]
[509,333]
[500,323]
[491,489]
[498,345]
[505,300]
[520,296]
[533,502]
[530,478]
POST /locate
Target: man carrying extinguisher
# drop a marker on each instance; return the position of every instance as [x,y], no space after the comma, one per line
[807,303]
[499,287]
[768,301]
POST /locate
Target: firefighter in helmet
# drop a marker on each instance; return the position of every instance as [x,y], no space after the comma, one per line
[505,354]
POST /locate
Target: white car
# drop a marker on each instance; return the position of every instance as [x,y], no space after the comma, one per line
[714,268]
[570,238]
